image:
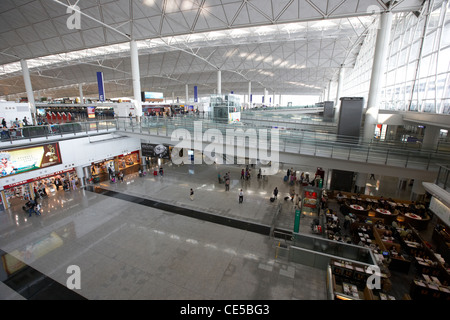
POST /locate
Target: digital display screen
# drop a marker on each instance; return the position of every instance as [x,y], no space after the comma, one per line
[27,159]
[153,95]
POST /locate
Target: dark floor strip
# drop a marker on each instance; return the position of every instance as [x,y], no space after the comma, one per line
[230,222]
[34,285]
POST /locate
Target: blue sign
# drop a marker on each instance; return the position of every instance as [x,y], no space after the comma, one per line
[101,88]
[195,94]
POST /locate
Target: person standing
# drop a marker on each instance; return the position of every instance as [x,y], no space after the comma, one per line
[74,183]
[227,184]
[57,183]
[242,174]
[241,196]
[275,192]
[191,194]
[297,201]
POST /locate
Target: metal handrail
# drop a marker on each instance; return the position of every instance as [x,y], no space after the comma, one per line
[311,143]
[58,129]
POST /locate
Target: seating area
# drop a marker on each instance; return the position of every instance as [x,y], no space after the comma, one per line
[410,267]
[389,210]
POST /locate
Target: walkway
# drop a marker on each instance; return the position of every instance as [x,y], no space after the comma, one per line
[127,250]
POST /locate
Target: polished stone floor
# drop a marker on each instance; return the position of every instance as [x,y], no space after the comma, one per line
[127,250]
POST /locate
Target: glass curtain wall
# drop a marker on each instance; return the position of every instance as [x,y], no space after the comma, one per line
[417,75]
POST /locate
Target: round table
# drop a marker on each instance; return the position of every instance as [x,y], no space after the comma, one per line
[357,207]
[383,211]
[417,221]
[386,215]
[413,216]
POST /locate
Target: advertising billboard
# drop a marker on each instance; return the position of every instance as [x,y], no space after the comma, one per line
[91,112]
[156,150]
[21,160]
[152,96]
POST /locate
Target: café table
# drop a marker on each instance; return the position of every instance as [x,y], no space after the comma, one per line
[357,207]
[383,211]
[436,280]
[413,216]
[417,221]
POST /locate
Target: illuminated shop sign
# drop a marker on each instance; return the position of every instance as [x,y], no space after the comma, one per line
[91,112]
[27,159]
[15,184]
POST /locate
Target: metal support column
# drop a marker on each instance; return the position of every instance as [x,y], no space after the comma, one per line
[136,79]
[378,68]
[29,89]
[219,82]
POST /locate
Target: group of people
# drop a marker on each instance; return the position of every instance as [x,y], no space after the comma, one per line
[15,127]
[32,206]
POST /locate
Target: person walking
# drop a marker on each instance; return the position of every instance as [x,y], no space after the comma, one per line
[227,184]
[242,174]
[37,209]
[297,201]
[74,183]
[275,192]
[191,194]
[57,183]
[32,208]
[241,196]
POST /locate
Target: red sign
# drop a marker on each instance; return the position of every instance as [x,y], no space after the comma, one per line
[15,184]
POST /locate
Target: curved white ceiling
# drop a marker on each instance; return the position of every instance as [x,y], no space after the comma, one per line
[286,46]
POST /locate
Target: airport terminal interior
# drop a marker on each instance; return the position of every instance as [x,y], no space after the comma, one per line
[214,150]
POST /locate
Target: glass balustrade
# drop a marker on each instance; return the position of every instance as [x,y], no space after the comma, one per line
[10,135]
[313,143]
[305,142]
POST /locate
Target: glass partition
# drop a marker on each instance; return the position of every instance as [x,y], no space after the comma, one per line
[306,245]
[443,178]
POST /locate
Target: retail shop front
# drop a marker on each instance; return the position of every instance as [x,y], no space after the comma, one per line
[103,170]
[17,193]
[155,155]
[15,162]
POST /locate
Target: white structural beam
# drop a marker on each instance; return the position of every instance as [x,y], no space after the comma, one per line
[219,82]
[29,88]
[80,87]
[249,93]
[136,78]
[378,67]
